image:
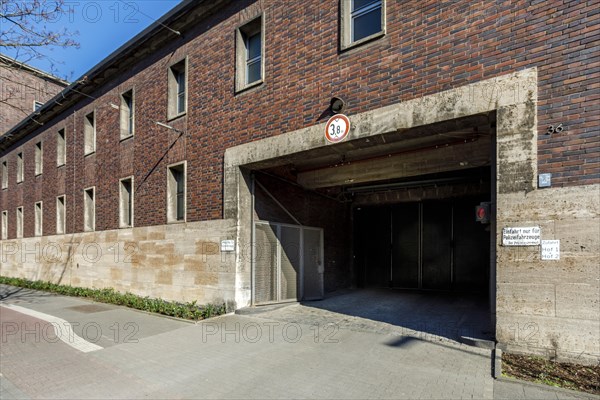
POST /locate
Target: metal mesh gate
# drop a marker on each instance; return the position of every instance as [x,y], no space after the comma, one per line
[288,263]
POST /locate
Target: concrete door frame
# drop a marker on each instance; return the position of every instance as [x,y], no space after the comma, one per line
[513,97]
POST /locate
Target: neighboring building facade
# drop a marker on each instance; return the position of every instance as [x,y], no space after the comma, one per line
[206,134]
[24,90]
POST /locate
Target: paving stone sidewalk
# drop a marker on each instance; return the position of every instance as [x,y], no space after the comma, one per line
[235,356]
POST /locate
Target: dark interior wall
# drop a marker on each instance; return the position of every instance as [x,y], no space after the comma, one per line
[311,209]
[430,245]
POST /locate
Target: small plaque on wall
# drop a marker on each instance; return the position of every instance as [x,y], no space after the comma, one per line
[550,249]
[227,245]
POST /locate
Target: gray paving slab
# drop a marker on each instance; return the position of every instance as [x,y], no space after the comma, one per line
[322,355]
[98,323]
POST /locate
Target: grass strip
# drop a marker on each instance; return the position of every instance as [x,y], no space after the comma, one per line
[190,311]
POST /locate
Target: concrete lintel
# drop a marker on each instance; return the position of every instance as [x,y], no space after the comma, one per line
[518,88]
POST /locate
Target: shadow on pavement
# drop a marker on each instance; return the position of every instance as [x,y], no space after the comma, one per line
[21,294]
[449,315]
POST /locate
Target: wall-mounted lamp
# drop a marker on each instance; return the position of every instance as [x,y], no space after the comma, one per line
[337,105]
[169,127]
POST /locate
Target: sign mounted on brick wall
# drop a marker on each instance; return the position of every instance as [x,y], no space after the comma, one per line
[524,236]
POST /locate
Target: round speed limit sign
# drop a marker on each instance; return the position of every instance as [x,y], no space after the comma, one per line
[337,128]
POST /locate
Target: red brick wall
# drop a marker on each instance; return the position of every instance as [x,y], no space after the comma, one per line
[19,88]
[429,46]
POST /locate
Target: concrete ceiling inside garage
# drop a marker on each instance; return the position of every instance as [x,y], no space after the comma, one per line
[449,146]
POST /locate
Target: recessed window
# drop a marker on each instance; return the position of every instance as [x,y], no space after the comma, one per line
[89,210]
[177,89]
[37,105]
[176,182]
[20,168]
[127,114]
[19,222]
[126,203]
[89,133]
[39,158]
[249,54]
[61,213]
[4,225]
[39,219]
[4,174]
[61,148]
[362,20]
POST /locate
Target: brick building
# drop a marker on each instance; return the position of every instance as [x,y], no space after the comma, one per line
[23,91]
[206,133]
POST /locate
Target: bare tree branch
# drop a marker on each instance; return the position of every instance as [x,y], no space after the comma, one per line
[27,33]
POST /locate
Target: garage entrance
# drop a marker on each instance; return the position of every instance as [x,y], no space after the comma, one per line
[427,245]
[395,211]
[416,153]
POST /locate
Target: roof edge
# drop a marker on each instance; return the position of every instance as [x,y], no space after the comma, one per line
[27,125]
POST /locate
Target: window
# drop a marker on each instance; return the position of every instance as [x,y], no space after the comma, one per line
[4,225]
[20,168]
[177,89]
[126,203]
[362,20]
[39,218]
[19,222]
[39,158]
[176,193]
[89,133]
[4,174]
[37,105]
[249,54]
[89,210]
[127,114]
[61,213]
[61,148]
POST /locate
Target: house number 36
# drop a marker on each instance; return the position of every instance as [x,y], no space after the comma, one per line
[555,129]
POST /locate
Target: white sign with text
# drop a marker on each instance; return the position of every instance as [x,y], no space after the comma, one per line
[227,245]
[523,236]
[550,249]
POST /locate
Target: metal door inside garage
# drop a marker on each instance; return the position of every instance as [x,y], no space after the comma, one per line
[288,263]
[435,245]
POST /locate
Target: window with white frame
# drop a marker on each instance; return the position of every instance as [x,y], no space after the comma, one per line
[61,148]
[126,203]
[19,222]
[61,215]
[176,193]
[362,20]
[127,114]
[249,54]
[39,158]
[4,225]
[4,174]
[177,89]
[39,218]
[89,133]
[20,168]
[89,210]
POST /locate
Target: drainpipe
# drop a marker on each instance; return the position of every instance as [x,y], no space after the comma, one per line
[252,244]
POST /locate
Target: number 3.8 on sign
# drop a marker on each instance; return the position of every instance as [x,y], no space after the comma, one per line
[337,128]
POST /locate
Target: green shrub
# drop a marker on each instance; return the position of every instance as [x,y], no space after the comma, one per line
[190,311]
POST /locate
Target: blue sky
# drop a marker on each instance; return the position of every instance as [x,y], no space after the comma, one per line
[102,26]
